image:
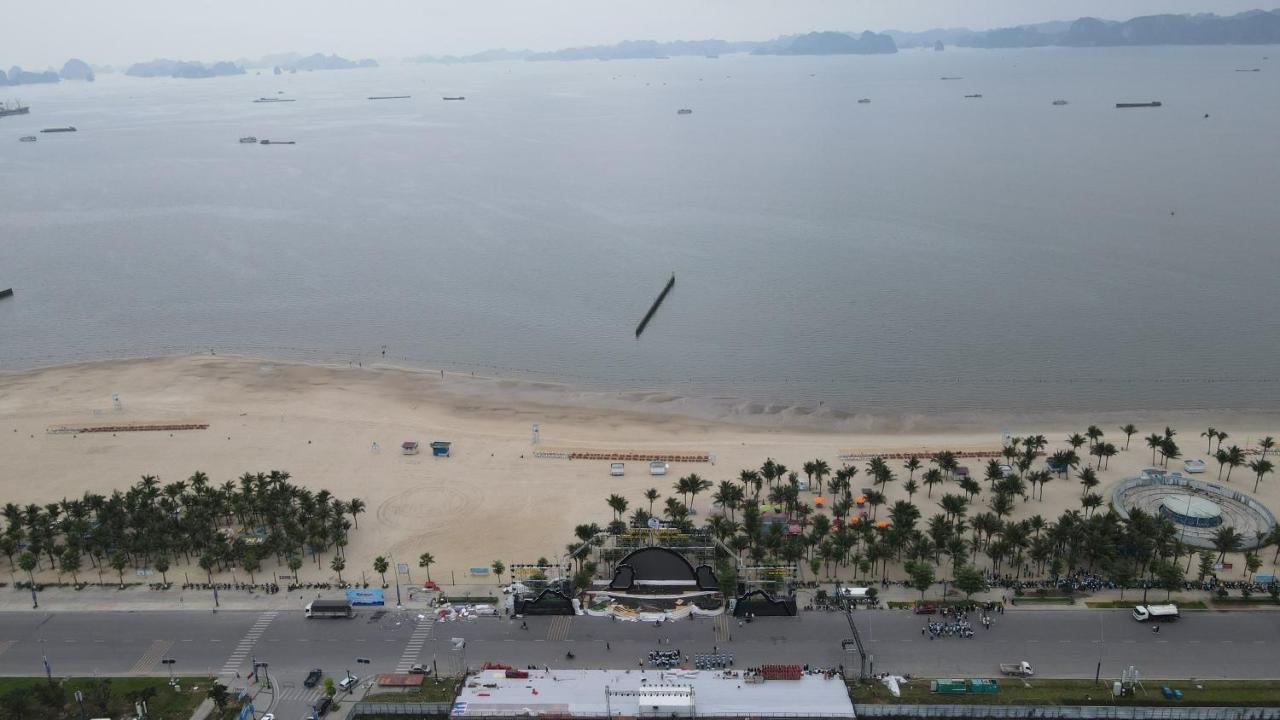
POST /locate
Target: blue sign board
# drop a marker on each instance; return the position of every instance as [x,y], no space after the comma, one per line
[365,597]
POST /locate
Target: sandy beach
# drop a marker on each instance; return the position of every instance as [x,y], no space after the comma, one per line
[492,500]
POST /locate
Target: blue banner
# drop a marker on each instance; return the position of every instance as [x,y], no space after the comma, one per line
[365,597]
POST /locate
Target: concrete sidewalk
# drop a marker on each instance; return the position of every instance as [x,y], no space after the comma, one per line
[141,599]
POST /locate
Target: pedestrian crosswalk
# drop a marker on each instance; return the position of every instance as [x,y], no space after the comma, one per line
[241,653]
[559,627]
[302,694]
[722,628]
[420,635]
[154,653]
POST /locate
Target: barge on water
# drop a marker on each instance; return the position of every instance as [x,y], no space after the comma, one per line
[7,292]
[69,128]
[1155,103]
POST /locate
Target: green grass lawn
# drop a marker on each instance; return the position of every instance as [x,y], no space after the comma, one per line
[432,690]
[1082,692]
[36,699]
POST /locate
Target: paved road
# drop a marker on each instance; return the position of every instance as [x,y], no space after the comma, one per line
[1064,644]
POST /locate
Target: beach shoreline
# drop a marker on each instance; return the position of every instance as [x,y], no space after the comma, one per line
[492,500]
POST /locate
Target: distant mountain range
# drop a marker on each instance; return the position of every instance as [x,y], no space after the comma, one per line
[74,69]
[289,62]
[163,67]
[1255,27]
[818,43]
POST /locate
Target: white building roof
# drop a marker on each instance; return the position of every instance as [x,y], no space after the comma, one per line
[627,692]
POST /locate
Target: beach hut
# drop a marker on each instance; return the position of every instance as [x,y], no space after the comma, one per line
[440,448]
[409,447]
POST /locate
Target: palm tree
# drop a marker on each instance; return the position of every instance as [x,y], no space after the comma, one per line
[1235,457]
[1075,440]
[294,563]
[1154,441]
[1169,449]
[911,487]
[380,566]
[911,466]
[618,505]
[1094,433]
[161,565]
[875,499]
[954,506]
[119,563]
[1221,436]
[1088,479]
[698,484]
[425,560]
[931,477]
[1211,433]
[1265,445]
[69,562]
[355,506]
[651,494]
[1129,431]
[1260,467]
[1091,502]
[338,565]
[1221,457]
[820,472]
[1226,540]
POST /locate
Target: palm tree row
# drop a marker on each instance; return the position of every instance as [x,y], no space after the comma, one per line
[193,521]
[964,532]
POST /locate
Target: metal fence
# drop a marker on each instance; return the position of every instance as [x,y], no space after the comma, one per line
[416,709]
[1069,712]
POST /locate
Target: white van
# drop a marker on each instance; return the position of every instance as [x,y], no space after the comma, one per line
[1155,613]
[348,682]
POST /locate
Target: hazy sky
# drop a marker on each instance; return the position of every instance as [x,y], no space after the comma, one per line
[37,33]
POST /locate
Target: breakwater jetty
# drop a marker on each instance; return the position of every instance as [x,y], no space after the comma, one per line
[656,304]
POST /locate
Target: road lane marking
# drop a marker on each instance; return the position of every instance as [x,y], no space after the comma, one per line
[241,652]
[421,633]
[6,644]
[154,653]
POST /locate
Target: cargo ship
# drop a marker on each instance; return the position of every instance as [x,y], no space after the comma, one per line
[13,108]
[1156,103]
[455,98]
[69,128]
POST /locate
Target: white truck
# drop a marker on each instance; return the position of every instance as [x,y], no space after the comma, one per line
[1155,613]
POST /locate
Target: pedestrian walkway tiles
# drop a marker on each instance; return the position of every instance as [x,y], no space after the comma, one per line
[559,628]
[241,653]
[420,635]
[153,655]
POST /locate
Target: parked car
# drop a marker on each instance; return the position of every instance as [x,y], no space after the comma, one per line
[348,682]
[926,609]
[419,669]
[322,707]
[313,678]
